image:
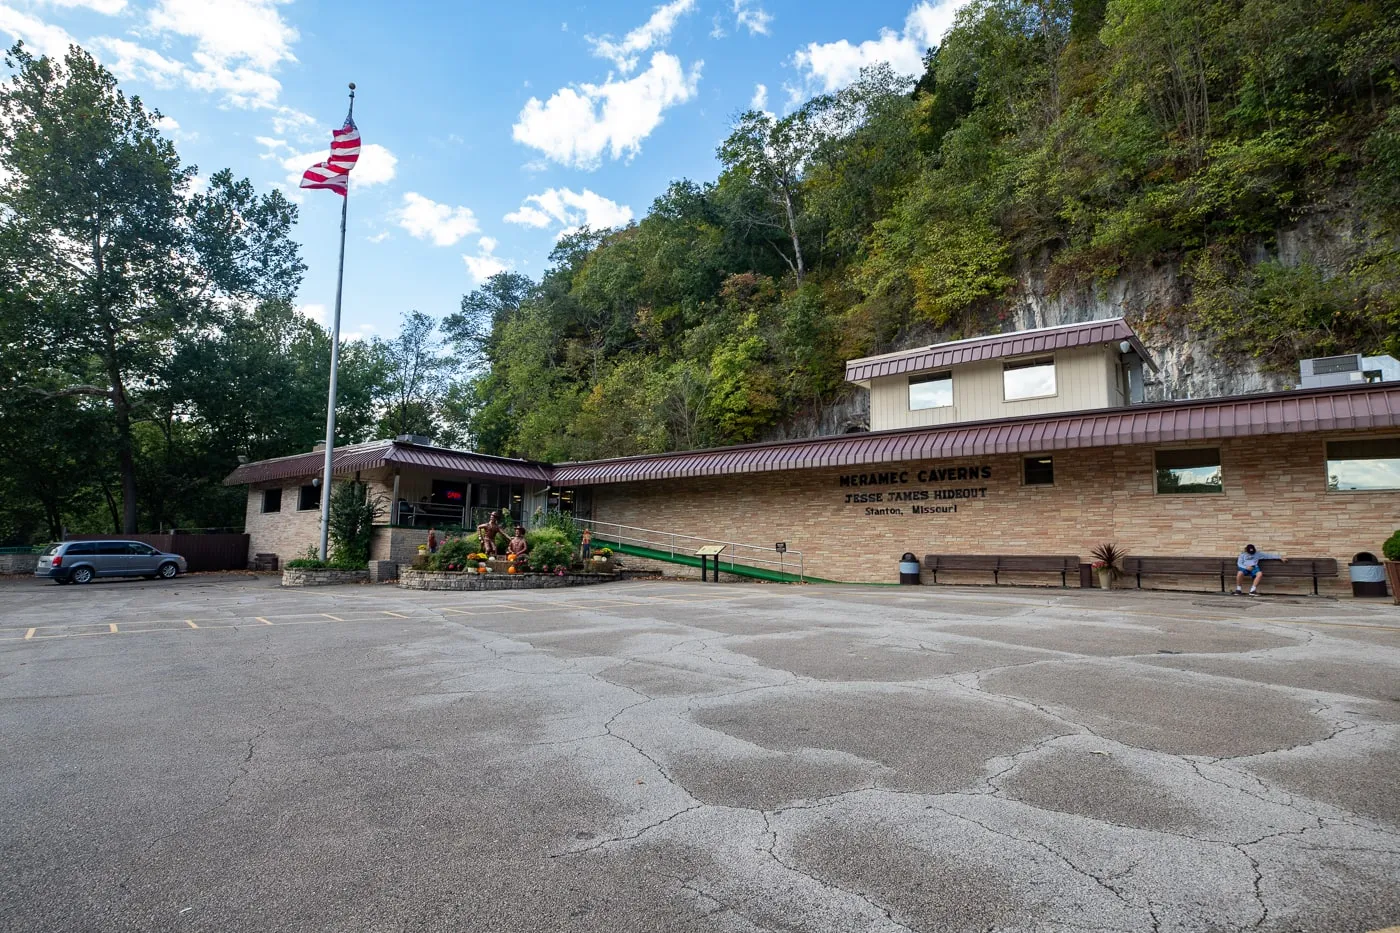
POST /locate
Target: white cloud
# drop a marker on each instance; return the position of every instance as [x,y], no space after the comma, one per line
[570,210]
[379,237]
[270,142]
[753,18]
[833,65]
[578,124]
[377,165]
[759,101]
[224,31]
[42,37]
[316,312]
[428,220]
[130,61]
[288,120]
[167,124]
[484,265]
[105,7]
[654,32]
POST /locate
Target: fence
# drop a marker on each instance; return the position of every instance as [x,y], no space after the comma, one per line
[734,554]
[201,552]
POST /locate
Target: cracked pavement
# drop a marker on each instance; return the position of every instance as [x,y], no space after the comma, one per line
[222,754]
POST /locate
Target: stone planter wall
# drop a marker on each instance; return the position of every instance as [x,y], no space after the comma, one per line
[306,577]
[453,580]
[18,563]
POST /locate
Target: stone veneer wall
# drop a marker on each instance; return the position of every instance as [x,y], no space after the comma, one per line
[1275,495]
[309,577]
[18,563]
[436,580]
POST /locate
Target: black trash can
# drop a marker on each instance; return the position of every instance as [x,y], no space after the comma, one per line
[909,569]
[1367,575]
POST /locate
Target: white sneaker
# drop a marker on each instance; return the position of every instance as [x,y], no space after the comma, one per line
[1238,591]
[1253,592]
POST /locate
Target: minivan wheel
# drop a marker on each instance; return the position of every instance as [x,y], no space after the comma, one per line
[168,571]
[81,575]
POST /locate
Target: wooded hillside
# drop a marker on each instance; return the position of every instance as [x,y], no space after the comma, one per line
[148,340]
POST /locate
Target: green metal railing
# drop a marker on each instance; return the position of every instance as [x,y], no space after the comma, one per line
[749,560]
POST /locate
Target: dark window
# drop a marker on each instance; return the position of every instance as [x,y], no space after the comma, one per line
[935,391]
[136,547]
[85,547]
[112,547]
[309,497]
[272,500]
[1189,471]
[1368,464]
[1039,471]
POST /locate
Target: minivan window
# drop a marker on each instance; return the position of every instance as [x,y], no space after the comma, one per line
[53,549]
[112,547]
[82,547]
[138,548]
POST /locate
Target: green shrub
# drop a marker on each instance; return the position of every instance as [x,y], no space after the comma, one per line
[454,554]
[312,563]
[351,526]
[559,521]
[1391,548]
[550,549]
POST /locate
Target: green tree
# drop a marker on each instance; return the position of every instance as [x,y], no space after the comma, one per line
[101,226]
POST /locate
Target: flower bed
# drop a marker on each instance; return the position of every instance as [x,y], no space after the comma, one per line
[308,576]
[469,580]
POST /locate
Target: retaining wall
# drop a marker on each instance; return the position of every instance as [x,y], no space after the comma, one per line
[307,577]
[455,580]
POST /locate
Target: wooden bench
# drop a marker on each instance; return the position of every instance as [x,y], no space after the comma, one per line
[997,564]
[1295,568]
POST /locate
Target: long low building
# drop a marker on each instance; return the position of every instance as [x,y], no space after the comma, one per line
[1029,443]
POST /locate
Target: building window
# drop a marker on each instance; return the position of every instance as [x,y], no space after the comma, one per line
[1038,471]
[272,500]
[1194,470]
[308,498]
[1029,378]
[1370,464]
[935,391]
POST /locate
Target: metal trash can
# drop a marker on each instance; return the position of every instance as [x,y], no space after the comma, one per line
[909,569]
[1367,575]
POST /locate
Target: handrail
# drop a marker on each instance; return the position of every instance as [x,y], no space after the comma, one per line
[646,537]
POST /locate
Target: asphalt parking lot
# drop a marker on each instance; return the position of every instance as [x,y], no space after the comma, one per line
[219,754]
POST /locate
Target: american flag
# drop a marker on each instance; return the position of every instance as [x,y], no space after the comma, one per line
[334,173]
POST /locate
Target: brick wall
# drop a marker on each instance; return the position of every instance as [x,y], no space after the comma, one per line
[1275,496]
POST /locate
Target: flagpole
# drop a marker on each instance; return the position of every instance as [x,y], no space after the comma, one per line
[335,366]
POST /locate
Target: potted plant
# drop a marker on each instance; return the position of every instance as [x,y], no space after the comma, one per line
[1390,550]
[1107,557]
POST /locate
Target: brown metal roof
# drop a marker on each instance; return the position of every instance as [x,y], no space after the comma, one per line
[977,349]
[1348,409]
[376,454]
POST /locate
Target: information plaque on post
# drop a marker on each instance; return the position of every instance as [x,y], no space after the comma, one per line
[705,553]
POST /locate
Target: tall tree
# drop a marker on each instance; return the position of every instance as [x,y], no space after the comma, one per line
[102,228]
[416,376]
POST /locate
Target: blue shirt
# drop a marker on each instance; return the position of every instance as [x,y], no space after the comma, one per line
[1248,561]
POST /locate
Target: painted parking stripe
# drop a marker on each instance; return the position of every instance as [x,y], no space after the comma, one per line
[397,615]
[190,623]
[262,620]
[113,627]
[329,616]
[30,634]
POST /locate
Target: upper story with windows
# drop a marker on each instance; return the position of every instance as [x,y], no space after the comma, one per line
[1076,367]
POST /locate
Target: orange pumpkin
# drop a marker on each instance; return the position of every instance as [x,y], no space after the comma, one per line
[510,569]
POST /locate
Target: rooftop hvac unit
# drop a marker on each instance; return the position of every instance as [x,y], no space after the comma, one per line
[417,440]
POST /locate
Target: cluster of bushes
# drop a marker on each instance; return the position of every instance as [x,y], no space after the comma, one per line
[553,546]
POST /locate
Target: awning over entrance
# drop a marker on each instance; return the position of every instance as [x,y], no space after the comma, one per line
[375,454]
[1366,408]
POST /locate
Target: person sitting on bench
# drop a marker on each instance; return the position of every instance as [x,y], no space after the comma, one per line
[1247,565]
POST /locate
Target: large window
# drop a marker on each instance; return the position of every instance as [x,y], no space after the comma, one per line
[1195,470]
[1370,464]
[308,497]
[1038,471]
[934,391]
[1029,378]
[272,500]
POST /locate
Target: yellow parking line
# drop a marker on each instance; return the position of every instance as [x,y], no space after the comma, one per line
[397,615]
[112,626]
[329,616]
[190,623]
[262,620]
[30,634]
[461,611]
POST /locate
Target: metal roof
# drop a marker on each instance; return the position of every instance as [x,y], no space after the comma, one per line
[977,349]
[1360,408]
[375,454]
[1357,408]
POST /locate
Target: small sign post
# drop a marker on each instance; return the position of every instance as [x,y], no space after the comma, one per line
[705,553]
[781,548]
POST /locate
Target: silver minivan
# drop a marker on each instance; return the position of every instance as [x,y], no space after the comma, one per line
[81,561]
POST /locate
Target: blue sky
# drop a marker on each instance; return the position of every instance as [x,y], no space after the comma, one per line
[489,128]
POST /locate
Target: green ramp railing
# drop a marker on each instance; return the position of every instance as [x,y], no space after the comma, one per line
[745,560]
